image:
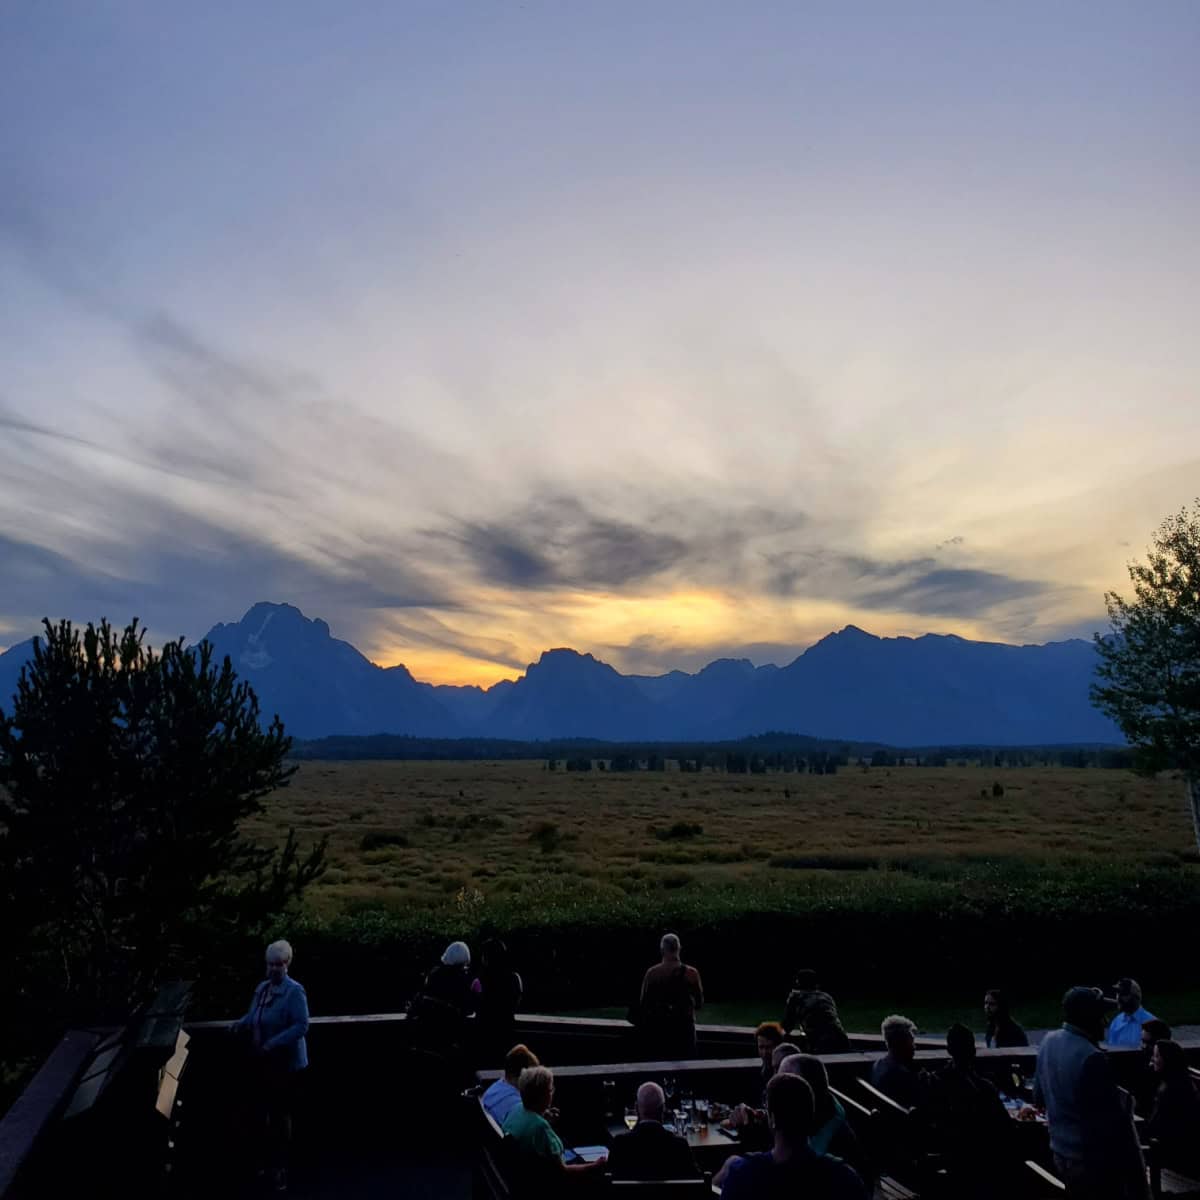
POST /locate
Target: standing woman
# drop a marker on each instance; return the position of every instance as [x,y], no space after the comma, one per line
[276,1023]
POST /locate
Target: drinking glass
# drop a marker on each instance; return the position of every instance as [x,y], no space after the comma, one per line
[630,1116]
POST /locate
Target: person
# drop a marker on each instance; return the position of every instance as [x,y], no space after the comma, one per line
[767,1036]
[1147,1081]
[1092,1138]
[1002,1030]
[1174,1122]
[497,992]
[439,1011]
[968,1121]
[276,1024]
[791,1167]
[816,1014]
[502,1097]
[538,1149]
[1125,1029]
[671,993]
[831,1132]
[649,1150]
[751,1121]
[895,1074]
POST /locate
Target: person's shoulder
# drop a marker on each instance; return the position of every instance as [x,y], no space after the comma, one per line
[841,1178]
[293,984]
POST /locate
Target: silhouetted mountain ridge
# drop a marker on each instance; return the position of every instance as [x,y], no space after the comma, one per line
[937,689]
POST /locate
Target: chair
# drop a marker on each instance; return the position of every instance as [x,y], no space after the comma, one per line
[1050,1183]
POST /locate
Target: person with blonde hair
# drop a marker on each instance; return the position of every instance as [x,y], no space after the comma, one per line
[539,1149]
[276,1024]
[896,1074]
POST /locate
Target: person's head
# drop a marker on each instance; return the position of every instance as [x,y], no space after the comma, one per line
[790,1107]
[812,1070]
[279,959]
[899,1036]
[516,1060]
[493,955]
[651,1102]
[1169,1061]
[1085,1008]
[781,1052]
[995,1006]
[766,1037]
[1153,1031]
[536,1085]
[960,1045]
[805,980]
[1129,994]
[457,954]
[669,946]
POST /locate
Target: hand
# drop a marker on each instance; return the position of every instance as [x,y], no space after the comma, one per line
[551,1115]
[1027,1113]
[740,1117]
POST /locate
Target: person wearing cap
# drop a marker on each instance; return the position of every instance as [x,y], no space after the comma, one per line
[1095,1148]
[1125,1029]
[438,1012]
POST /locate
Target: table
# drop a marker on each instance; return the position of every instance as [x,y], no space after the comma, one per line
[710,1147]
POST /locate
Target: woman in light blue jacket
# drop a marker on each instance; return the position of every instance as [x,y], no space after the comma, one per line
[276,1023]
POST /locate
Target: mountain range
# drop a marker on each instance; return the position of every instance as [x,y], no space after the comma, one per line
[932,690]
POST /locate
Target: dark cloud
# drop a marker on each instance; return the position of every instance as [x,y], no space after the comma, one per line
[950,592]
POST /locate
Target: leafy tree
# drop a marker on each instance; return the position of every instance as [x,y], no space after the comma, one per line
[1149,672]
[124,776]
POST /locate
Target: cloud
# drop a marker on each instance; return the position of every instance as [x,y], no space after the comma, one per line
[949,592]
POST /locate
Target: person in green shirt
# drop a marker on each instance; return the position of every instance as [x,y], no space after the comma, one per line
[537,1146]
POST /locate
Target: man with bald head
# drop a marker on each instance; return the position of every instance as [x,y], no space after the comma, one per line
[650,1151]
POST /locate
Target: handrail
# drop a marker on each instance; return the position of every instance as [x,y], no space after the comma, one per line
[41,1102]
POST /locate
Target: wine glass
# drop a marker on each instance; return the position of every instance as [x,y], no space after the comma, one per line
[630,1116]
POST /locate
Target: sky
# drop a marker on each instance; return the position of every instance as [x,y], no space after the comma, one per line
[666,331]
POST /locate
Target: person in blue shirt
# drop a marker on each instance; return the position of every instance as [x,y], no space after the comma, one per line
[1125,1029]
[275,1024]
[791,1167]
[502,1097]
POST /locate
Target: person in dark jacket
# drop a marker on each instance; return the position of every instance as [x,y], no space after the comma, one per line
[896,1074]
[649,1150]
[831,1132]
[816,1014]
[1002,1030]
[969,1123]
[438,1013]
[276,1024]
[497,992]
[1174,1123]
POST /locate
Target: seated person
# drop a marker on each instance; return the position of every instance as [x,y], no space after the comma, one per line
[649,1151]
[1002,1030]
[1146,1083]
[816,1014]
[538,1148]
[753,1121]
[767,1036]
[895,1074]
[502,1097]
[1174,1123]
[791,1168]
[831,1132]
[967,1121]
[1125,1029]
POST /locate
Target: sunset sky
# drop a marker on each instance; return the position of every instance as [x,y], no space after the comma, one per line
[661,330]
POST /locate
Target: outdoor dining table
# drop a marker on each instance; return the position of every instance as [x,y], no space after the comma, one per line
[708,1143]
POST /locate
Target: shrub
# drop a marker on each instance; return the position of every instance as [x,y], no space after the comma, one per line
[678,831]
[377,839]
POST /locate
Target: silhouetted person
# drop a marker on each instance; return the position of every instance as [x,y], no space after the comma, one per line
[671,994]
[968,1121]
[438,1013]
[816,1014]
[896,1074]
[831,1132]
[1147,1078]
[1125,1029]
[1095,1148]
[1174,1122]
[650,1151]
[497,990]
[791,1168]
[1002,1030]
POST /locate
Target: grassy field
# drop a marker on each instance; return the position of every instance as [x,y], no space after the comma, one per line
[905,886]
[435,835]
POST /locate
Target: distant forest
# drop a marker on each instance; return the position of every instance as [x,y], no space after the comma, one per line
[767,752]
